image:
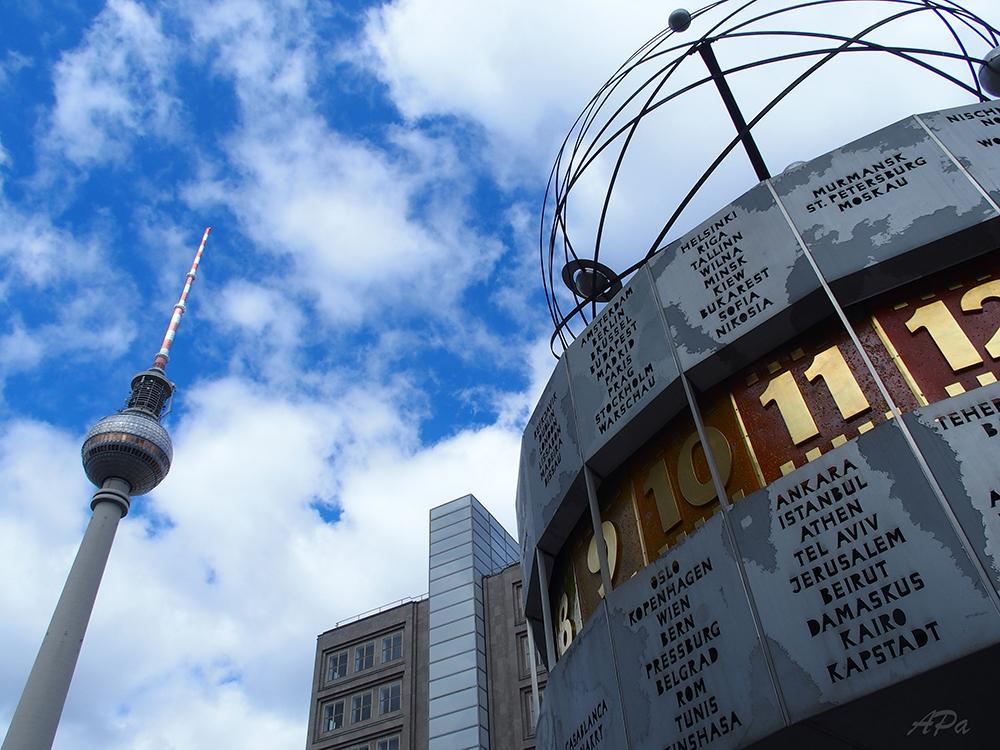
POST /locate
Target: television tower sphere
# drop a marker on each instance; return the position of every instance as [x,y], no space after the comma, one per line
[132,445]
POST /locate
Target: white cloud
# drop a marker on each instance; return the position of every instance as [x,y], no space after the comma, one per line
[510,66]
[13,62]
[203,634]
[83,304]
[210,619]
[116,87]
[525,70]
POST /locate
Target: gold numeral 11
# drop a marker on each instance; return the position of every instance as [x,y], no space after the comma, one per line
[830,365]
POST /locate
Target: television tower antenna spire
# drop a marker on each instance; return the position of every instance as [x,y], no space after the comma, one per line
[163,356]
[124,454]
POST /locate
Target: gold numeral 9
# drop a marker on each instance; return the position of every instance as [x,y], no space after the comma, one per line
[611,542]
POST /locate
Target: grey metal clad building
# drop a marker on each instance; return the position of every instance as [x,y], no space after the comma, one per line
[453,671]
[467,543]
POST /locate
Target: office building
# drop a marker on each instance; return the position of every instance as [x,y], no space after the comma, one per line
[453,670]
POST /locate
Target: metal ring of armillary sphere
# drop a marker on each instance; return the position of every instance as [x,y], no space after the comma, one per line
[674,65]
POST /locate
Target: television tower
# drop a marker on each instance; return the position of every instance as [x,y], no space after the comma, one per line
[125,454]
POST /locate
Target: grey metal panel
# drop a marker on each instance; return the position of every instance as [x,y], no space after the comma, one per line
[877,199]
[440,584]
[458,505]
[859,578]
[462,699]
[623,376]
[461,551]
[728,287]
[452,665]
[445,615]
[452,647]
[454,722]
[551,460]
[453,683]
[581,694]
[689,660]
[960,439]
[441,569]
[463,739]
[451,542]
[972,135]
[461,526]
[524,513]
[446,632]
[456,595]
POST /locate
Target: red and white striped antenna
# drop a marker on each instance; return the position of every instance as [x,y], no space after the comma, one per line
[163,356]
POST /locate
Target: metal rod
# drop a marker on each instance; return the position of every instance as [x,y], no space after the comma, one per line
[708,55]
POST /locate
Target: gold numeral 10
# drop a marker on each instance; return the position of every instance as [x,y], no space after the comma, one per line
[830,365]
[695,492]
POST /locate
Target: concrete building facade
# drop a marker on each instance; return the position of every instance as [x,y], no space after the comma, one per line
[370,682]
[455,670]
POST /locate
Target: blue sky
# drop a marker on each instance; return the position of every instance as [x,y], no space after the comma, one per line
[365,339]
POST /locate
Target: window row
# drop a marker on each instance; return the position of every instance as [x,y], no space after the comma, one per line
[364,656]
[361,706]
[389,743]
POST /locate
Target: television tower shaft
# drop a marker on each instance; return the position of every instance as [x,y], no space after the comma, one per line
[124,454]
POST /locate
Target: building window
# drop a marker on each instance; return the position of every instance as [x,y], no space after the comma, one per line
[337,666]
[518,604]
[364,657]
[392,743]
[333,716]
[389,698]
[361,707]
[526,656]
[530,711]
[392,647]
